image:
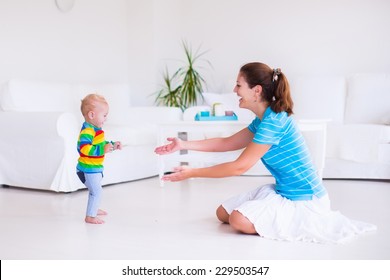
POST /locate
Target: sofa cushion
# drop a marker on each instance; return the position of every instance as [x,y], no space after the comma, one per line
[319,97]
[368,99]
[138,126]
[134,135]
[363,142]
[151,114]
[384,153]
[36,96]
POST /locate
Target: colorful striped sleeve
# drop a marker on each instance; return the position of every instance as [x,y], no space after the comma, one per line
[91,143]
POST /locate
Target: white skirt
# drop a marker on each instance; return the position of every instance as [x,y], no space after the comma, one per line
[280,218]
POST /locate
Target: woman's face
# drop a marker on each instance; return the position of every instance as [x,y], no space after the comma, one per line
[247,95]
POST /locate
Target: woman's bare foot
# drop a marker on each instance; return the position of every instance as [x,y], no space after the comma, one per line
[93,220]
[101,212]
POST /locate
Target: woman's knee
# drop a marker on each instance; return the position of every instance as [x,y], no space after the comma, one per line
[241,223]
[222,215]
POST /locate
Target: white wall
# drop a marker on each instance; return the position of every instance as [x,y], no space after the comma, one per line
[133,40]
[141,51]
[334,37]
[88,44]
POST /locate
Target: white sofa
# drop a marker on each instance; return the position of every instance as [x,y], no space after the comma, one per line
[40,122]
[358,131]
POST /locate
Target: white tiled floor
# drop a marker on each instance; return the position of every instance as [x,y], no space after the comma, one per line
[178,221]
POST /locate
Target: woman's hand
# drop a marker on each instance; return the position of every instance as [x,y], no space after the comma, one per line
[175,145]
[179,173]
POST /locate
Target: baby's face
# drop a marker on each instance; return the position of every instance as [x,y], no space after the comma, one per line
[99,115]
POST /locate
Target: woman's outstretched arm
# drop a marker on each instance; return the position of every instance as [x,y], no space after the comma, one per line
[248,158]
[237,141]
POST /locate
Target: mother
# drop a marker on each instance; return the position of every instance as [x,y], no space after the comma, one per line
[296,206]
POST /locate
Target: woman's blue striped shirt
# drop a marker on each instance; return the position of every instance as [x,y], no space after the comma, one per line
[288,159]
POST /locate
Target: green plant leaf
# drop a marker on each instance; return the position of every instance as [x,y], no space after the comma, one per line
[190,81]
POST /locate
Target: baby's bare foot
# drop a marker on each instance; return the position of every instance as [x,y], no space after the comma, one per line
[101,212]
[93,220]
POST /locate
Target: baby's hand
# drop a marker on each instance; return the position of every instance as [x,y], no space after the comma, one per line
[117,145]
[108,148]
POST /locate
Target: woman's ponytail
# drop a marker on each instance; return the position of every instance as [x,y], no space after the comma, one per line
[282,97]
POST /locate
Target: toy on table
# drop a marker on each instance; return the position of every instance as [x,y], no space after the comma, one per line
[218,114]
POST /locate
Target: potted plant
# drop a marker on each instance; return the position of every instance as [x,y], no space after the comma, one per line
[169,96]
[185,86]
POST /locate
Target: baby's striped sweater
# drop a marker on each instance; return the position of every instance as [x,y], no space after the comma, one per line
[90,146]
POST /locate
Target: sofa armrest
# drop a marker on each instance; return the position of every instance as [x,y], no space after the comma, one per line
[34,147]
[363,142]
[27,125]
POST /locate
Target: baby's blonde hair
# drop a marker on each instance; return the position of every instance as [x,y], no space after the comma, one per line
[88,103]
